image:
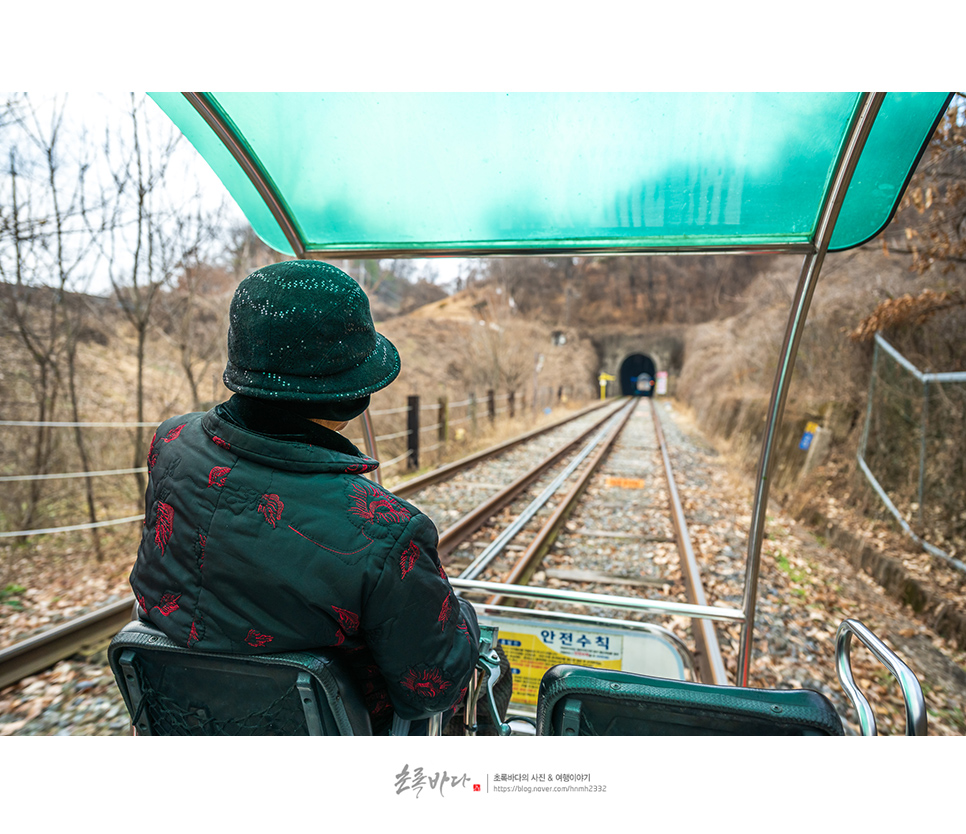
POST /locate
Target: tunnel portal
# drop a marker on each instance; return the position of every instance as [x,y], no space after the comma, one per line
[637,375]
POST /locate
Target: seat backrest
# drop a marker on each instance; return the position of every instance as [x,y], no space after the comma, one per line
[577,700]
[171,690]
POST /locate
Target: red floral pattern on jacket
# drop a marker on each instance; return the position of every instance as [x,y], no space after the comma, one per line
[443,617]
[271,507]
[218,475]
[372,504]
[168,604]
[347,620]
[408,559]
[164,524]
[152,453]
[357,568]
[427,683]
[255,639]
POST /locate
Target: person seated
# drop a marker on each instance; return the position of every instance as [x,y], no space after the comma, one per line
[261,532]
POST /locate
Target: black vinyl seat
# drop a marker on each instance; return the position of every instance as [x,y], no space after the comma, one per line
[577,700]
[171,690]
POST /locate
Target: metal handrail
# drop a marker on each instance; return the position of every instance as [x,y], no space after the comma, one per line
[710,612]
[911,690]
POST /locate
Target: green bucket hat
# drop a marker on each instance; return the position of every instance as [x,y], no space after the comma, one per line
[301,332]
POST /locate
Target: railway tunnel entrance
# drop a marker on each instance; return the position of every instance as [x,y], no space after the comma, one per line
[637,375]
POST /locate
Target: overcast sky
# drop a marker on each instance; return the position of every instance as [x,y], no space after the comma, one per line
[91,113]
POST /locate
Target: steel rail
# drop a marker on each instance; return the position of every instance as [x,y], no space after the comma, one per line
[44,650]
[258,177]
[710,662]
[708,654]
[47,648]
[464,527]
[446,472]
[476,567]
[527,564]
[859,130]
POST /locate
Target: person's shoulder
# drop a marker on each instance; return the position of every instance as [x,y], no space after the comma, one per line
[368,492]
[374,504]
[171,428]
[169,423]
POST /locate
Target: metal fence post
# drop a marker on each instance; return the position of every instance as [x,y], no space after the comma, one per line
[510,402]
[473,413]
[922,448]
[412,424]
[491,405]
[863,443]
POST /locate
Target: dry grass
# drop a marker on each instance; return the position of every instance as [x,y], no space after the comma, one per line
[52,576]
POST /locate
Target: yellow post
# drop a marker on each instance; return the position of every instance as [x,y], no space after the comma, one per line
[603,379]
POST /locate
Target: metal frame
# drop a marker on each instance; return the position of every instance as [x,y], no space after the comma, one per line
[587,249]
[859,130]
[259,178]
[369,435]
[867,109]
[652,606]
[916,722]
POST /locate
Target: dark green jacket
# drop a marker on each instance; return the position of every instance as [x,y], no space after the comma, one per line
[262,534]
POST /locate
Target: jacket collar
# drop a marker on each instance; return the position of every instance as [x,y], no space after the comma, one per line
[260,431]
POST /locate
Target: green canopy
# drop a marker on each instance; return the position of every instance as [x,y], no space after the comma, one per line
[416,174]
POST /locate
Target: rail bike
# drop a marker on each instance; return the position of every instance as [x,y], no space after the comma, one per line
[561,175]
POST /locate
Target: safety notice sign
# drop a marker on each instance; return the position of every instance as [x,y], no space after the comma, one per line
[532,650]
[534,646]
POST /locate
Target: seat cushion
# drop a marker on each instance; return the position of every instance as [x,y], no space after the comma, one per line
[576,700]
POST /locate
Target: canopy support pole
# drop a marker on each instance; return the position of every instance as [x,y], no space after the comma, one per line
[262,182]
[862,121]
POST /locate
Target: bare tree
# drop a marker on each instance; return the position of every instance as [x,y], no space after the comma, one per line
[45,256]
[500,348]
[149,234]
[933,210]
[193,315]
[246,252]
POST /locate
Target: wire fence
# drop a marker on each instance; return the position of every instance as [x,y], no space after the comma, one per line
[913,448]
[418,434]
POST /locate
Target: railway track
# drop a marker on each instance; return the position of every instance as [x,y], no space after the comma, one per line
[524,532]
[44,650]
[504,518]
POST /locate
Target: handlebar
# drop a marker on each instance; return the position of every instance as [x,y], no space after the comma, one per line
[489,661]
